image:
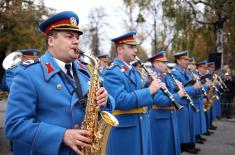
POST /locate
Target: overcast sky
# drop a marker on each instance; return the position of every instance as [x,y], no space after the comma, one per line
[83,7]
[115,18]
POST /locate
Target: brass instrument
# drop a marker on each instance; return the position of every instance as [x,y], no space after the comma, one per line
[223,85]
[164,89]
[212,95]
[100,129]
[11,60]
[195,109]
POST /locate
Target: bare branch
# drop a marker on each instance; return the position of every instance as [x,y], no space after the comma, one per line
[202,2]
[195,15]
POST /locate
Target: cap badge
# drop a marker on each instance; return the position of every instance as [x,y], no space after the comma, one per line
[73,21]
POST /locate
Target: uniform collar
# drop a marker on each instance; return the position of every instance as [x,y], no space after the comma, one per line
[123,65]
[177,67]
[159,73]
[49,65]
[61,64]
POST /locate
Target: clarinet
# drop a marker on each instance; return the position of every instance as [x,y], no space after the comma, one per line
[202,88]
[187,95]
[164,89]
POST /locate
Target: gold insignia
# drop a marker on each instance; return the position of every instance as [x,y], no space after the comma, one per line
[73,21]
[59,86]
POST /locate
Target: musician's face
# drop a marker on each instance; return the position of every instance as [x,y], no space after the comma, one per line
[192,67]
[162,66]
[211,69]
[182,63]
[64,45]
[202,70]
[127,53]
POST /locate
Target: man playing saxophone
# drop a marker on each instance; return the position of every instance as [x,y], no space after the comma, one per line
[48,96]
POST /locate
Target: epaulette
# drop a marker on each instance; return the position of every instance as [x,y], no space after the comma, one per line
[30,62]
[112,66]
[173,69]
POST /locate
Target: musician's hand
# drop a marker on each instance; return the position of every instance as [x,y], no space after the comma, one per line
[102,96]
[75,139]
[182,92]
[179,84]
[205,101]
[155,86]
[196,77]
[208,83]
[197,85]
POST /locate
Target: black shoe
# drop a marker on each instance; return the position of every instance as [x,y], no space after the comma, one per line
[228,117]
[199,141]
[213,127]
[197,149]
[192,150]
[207,133]
[203,139]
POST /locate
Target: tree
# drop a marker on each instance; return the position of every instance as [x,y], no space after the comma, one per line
[94,35]
[217,13]
[19,20]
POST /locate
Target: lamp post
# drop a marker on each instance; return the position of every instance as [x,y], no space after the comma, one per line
[140,18]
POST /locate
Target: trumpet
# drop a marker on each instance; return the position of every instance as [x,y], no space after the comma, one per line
[164,89]
[195,109]
[221,81]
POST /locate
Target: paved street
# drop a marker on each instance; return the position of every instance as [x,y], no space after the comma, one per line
[222,142]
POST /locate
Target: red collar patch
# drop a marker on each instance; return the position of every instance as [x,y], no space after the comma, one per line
[124,68]
[49,68]
[82,67]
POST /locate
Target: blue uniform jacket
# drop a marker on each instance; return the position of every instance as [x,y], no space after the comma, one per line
[132,136]
[164,123]
[10,73]
[41,106]
[185,116]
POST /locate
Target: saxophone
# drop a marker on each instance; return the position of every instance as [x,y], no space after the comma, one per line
[100,129]
[212,96]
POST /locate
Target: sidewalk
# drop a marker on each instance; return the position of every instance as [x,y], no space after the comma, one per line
[222,142]
[4,143]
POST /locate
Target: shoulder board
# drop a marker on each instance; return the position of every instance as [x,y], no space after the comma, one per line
[30,62]
[112,66]
[173,70]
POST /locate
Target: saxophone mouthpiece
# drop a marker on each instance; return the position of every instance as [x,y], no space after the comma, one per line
[80,51]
